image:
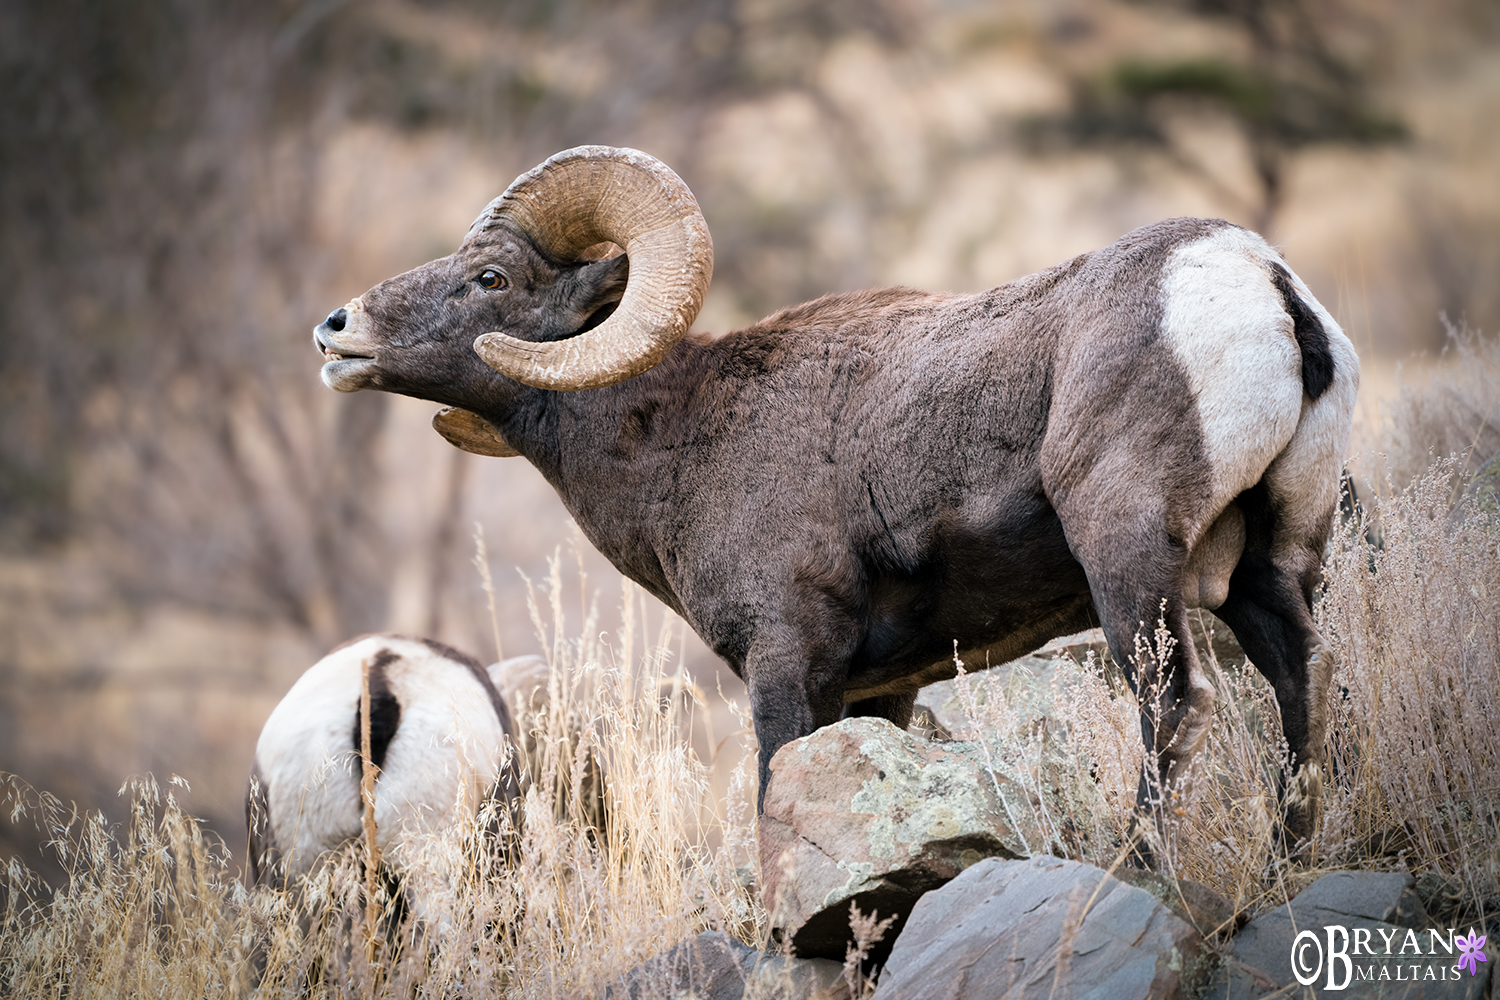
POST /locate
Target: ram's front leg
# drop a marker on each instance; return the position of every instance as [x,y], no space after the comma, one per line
[796,687]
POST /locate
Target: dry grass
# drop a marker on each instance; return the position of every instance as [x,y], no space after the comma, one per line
[1416,754]
[1446,407]
[156,909]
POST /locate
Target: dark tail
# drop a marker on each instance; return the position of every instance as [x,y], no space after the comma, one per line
[1312,339]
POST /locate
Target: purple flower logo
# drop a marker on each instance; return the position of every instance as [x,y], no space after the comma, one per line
[1470,951]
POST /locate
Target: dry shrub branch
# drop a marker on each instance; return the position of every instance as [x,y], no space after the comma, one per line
[1416,746]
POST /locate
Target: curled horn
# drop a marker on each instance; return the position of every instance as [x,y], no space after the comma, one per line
[470,432]
[596,194]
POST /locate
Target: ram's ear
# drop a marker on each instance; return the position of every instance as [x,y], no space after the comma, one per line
[470,432]
[590,288]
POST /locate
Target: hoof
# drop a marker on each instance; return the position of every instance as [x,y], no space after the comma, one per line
[1138,850]
[1301,809]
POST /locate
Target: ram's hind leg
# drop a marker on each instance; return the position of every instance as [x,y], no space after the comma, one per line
[1148,634]
[1135,569]
[1270,609]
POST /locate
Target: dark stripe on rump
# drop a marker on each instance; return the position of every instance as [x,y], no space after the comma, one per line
[385,710]
[508,788]
[1312,339]
[448,652]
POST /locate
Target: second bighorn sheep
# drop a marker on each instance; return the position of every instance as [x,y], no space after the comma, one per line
[440,733]
[837,494]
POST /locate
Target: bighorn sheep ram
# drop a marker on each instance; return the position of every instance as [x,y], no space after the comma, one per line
[440,733]
[835,495]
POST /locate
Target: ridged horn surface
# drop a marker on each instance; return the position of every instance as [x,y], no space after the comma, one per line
[468,431]
[595,194]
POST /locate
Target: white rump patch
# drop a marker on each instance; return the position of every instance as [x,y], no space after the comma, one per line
[447,751]
[1227,327]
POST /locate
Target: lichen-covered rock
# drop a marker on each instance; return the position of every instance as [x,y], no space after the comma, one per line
[1380,927]
[714,966]
[1032,684]
[861,812]
[1027,682]
[1041,928]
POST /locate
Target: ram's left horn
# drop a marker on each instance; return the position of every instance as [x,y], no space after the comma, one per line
[468,431]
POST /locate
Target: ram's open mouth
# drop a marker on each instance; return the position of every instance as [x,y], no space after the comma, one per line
[347,372]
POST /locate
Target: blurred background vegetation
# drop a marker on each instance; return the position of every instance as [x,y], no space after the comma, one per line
[188,519]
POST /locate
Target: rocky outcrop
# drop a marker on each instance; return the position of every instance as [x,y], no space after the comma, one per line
[1041,928]
[865,813]
[926,832]
[1027,682]
[1484,487]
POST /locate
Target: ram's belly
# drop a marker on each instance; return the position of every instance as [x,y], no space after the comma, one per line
[1072,614]
[1008,595]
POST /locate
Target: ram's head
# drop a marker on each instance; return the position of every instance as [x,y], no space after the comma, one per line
[535,292]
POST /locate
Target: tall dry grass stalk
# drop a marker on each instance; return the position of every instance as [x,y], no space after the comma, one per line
[367,774]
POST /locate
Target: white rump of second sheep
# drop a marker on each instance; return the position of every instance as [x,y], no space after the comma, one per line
[440,734]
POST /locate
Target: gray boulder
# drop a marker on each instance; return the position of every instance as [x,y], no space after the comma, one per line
[714,966]
[1041,928]
[861,812]
[1393,948]
[1033,683]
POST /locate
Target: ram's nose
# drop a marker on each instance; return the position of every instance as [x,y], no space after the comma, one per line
[336,319]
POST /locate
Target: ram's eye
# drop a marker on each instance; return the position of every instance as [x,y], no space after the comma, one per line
[491,280]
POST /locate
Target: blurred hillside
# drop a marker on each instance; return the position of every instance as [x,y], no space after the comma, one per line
[188,518]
